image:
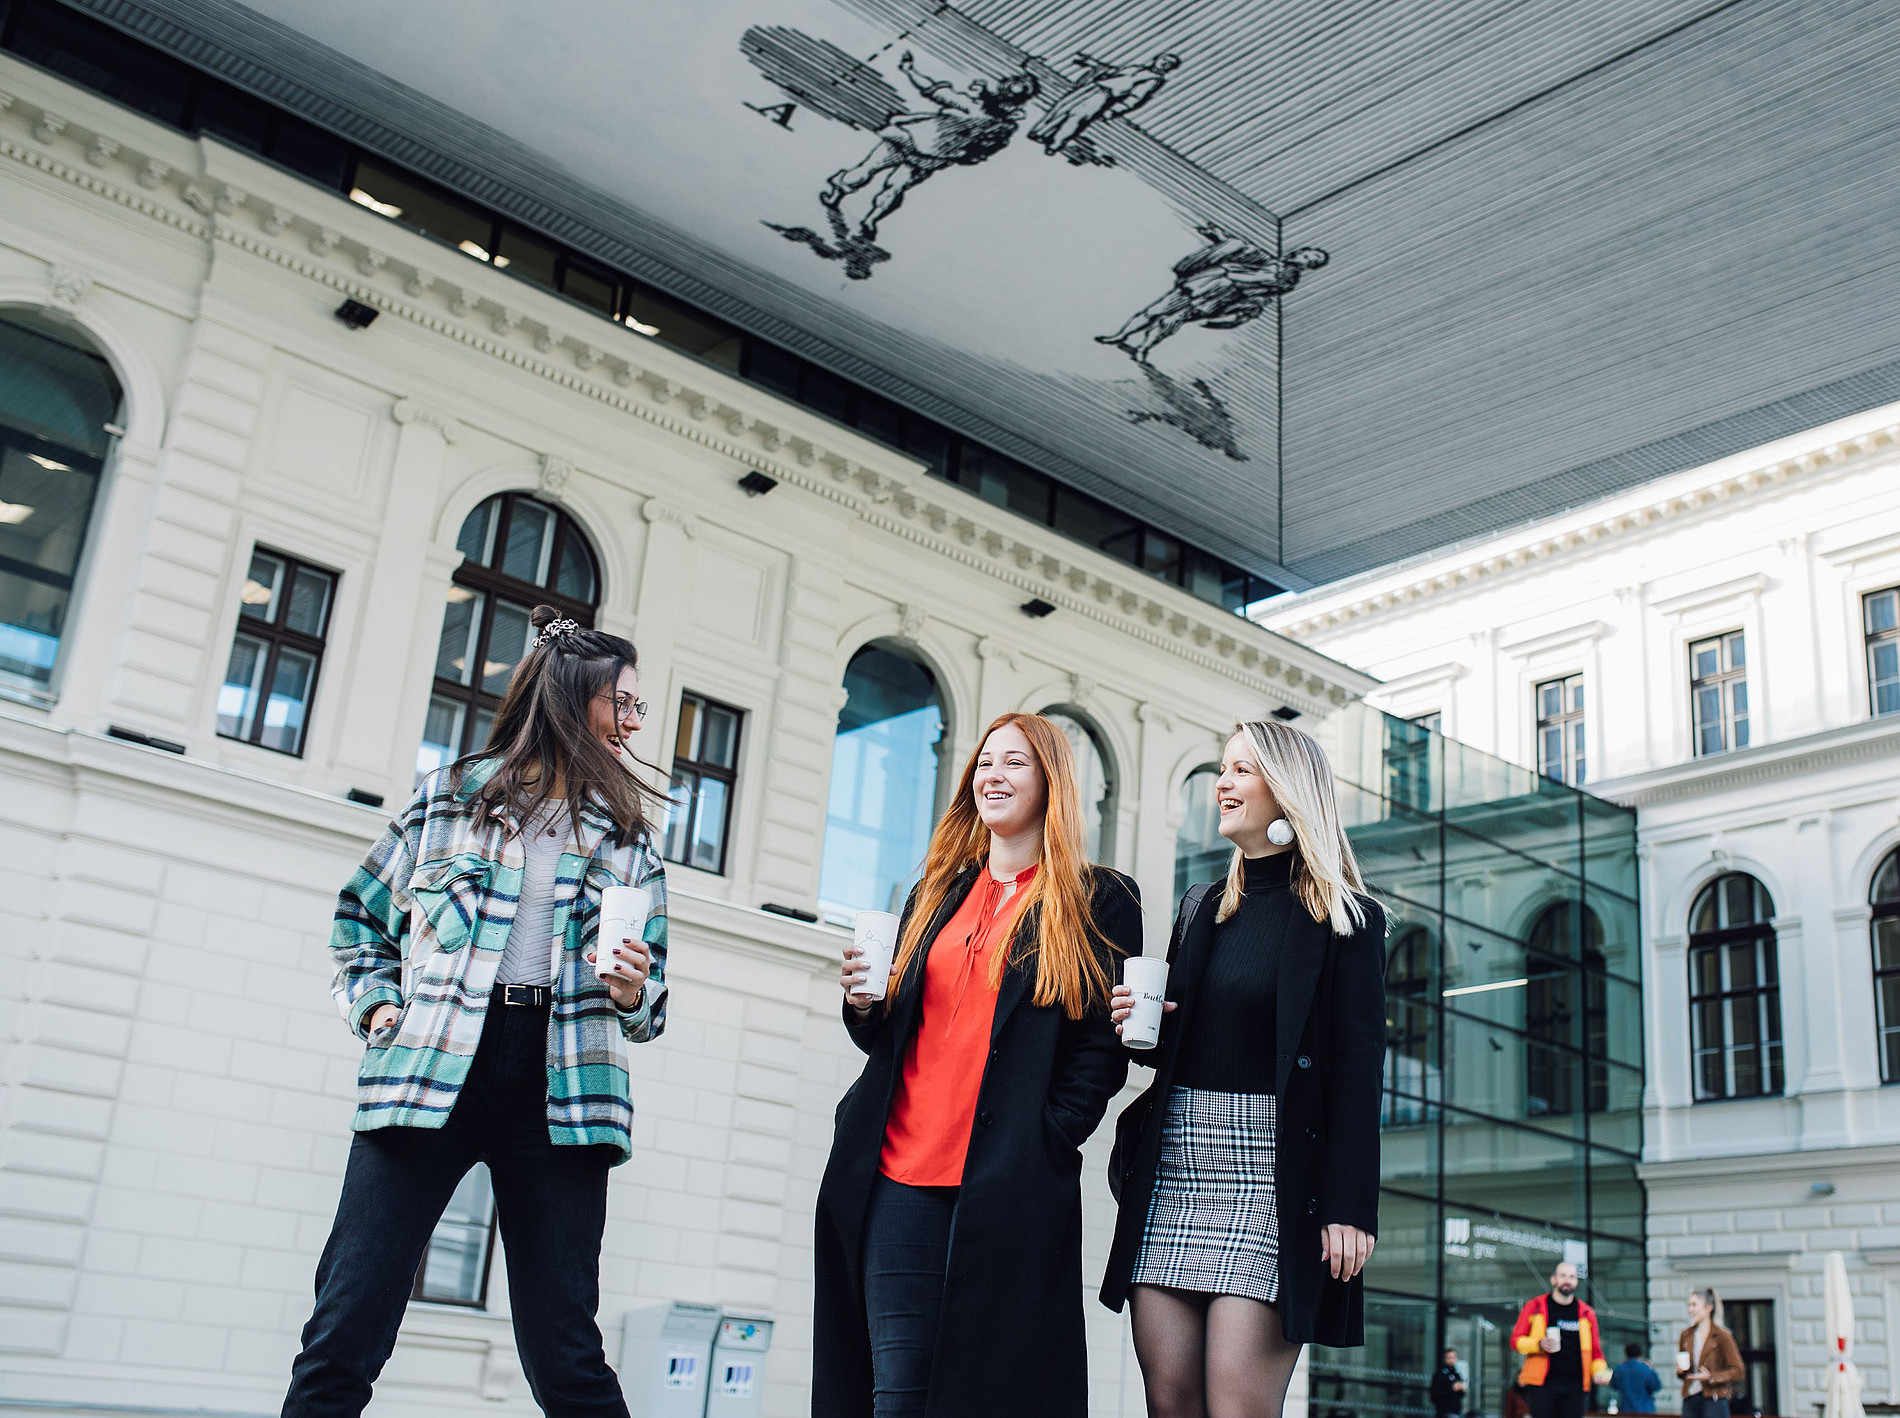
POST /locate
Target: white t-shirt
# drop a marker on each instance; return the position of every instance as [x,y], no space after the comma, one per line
[526,958]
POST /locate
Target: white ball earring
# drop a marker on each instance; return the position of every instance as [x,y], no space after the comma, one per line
[1279,832]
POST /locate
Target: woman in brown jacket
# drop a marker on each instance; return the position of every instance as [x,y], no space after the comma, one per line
[1708,1361]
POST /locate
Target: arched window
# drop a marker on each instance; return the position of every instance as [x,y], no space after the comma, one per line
[1734,990]
[1200,852]
[1885,897]
[1093,778]
[1565,934]
[518,551]
[884,781]
[56,399]
[1411,1073]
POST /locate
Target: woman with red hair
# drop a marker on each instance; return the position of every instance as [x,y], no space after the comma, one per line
[948,1272]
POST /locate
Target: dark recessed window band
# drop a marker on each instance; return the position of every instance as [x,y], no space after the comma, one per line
[138,76]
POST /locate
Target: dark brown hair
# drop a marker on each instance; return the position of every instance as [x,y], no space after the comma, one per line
[542,732]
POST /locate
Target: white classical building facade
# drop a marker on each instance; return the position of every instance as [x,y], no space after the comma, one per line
[177,1085]
[1715,648]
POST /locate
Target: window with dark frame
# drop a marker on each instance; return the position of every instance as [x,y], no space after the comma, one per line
[1562,1050]
[271,676]
[1884,929]
[705,779]
[1734,991]
[57,399]
[1752,1322]
[461,1249]
[1410,1084]
[517,552]
[1880,616]
[1560,729]
[1718,693]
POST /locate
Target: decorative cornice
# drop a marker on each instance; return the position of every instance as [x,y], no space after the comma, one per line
[657,511]
[409,411]
[1870,739]
[989,648]
[944,519]
[1825,459]
[1709,595]
[1556,640]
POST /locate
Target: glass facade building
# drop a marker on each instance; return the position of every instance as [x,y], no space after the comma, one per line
[1512,1115]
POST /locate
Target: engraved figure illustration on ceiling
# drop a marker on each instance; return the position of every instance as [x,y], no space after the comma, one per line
[960,128]
[1226,283]
[1103,91]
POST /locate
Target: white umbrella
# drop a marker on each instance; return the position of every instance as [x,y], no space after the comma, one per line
[1842,1382]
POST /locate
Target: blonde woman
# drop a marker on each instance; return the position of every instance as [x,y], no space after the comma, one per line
[991,1062]
[1248,1173]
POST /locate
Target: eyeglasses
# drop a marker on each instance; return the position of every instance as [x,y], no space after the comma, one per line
[625,703]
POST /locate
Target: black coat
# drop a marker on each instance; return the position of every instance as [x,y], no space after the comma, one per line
[1010,1340]
[1330,1030]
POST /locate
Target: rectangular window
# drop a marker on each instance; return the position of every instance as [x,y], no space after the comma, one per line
[1881,616]
[1735,1016]
[276,653]
[1560,729]
[705,773]
[454,1269]
[1718,693]
[1752,1322]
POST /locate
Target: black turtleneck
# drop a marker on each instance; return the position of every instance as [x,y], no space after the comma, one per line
[1229,1048]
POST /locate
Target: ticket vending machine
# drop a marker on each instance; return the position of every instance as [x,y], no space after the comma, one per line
[693,1361]
[666,1359]
[738,1367]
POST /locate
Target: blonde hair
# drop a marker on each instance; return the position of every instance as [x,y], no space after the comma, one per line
[1326,874]
[1070,972]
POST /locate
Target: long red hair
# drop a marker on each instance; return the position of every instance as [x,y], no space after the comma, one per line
[1069,970]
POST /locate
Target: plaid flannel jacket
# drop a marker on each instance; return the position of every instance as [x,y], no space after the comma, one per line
[422,925]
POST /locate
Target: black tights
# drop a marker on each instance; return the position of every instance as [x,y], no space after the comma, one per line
[1210,1356]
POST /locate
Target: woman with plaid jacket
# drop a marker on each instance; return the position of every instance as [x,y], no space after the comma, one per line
[465,948]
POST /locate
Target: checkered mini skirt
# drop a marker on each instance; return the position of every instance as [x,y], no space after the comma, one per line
[1213,1225]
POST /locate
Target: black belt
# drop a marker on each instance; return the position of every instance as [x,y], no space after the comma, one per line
[534,996]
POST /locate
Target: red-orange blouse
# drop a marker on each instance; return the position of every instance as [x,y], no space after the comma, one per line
[927,1132]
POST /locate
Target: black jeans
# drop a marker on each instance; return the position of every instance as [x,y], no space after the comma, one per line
[552,1203]
[1700,1405]
[1547,1402]
[906,1256]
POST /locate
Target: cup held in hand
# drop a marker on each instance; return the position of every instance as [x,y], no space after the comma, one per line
[875,933]
[623,916]
[1147,979]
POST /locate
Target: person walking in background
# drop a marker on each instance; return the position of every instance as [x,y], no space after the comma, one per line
[1248,1173]
[991,1060]
[1563,1347]
[465,949]
[1707,1359]
[1448,1386]
[1635,1382]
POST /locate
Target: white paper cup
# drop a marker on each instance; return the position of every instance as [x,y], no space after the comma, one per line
[875,933]
[1147,978]
[1682,1361]
[623,915]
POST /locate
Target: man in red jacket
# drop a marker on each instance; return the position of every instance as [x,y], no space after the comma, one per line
[1563,1348]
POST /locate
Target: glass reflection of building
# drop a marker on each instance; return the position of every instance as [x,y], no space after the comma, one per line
[884,782]
[1512,1115]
